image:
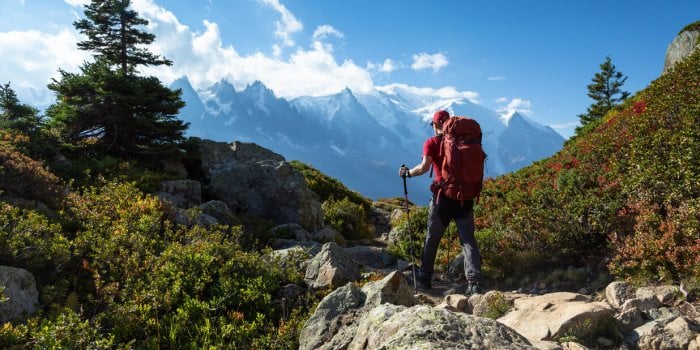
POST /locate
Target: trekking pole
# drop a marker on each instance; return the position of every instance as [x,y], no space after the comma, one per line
[408,225]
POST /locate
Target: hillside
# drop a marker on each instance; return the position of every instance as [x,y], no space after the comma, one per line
[622,196]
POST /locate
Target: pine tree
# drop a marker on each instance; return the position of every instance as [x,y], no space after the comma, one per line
[15,115]
[107,105]
[605,90]
[114,35]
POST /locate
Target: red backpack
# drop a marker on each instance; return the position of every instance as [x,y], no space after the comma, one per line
[463,159]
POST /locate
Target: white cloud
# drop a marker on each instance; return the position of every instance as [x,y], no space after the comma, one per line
[30,59]
[324,31]
[501,100]
[496,78]
[424,61]
[205,60]
[445,93]
[387,66]
[515,105]
[287,25]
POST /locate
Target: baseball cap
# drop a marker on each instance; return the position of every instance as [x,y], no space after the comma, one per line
[440,116]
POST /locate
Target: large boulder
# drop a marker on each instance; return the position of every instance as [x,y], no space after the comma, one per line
[20,294]
[390,326]
[616,293]
[681,333]
[255,180]
[330,268]
[551,316]
[182,193]
[681,47]
[383,315]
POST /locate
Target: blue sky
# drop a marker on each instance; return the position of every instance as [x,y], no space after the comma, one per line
[535,57]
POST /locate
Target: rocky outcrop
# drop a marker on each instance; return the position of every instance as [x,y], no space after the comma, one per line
[331,268]
[181,193]
[257,181]
[382,315]
[390,326]
[681,47]
[681,333]
[19,294]
[551,316]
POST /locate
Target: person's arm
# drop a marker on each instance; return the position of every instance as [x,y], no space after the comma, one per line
[419,169]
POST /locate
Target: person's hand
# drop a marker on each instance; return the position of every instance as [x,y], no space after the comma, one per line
[404,171]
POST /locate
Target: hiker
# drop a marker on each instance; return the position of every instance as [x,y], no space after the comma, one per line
[443,210]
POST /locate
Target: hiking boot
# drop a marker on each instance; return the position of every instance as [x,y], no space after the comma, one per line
[473,287]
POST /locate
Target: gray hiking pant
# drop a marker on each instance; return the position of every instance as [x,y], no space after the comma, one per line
[440,215]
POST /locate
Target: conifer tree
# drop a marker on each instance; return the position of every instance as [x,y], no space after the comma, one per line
[605,90]
[15,115]
[114,34]
[108,105]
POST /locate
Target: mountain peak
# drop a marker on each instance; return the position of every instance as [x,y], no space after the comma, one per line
[258,88]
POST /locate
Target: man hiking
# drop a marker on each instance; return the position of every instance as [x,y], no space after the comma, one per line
[444,209]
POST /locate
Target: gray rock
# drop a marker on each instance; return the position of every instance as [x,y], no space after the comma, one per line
[663,315]
[290,231]
[296,257]
[675,335]
[551,316]
[392,289]
[325,322]
[329,234]
[380,220]
[547,345]
[20,292]
[334,323]
[570,345]
[633,336]
[681,47]
[371,257]
[185,193]
[423,327]
[617,293]
[257,181]
[665,294]
[643,304]
[331,268]
[205,220]
[193,216]
[458,302]
[630,319]
[220,211]
[309,246]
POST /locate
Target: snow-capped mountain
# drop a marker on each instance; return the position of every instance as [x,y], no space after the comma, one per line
[360,139]
[524,141]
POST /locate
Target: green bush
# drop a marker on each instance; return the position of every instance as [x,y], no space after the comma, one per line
[125,276]
[348,218]
[67,330]
[29,239]
[24,177]
[409,234]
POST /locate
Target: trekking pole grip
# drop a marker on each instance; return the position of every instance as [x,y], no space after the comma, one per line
[405,191]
